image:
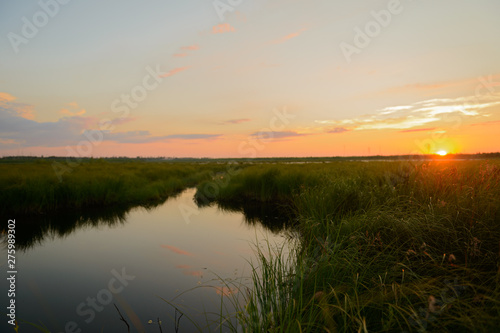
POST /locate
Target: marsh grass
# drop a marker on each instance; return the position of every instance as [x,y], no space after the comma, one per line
[382,247]
[33,188]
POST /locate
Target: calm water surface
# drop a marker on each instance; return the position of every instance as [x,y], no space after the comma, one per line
[68,271]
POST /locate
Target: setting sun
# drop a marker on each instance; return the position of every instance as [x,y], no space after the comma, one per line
[442,153]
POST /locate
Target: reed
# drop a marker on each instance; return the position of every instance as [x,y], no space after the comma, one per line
[391,246]
[33,188]
[380,246]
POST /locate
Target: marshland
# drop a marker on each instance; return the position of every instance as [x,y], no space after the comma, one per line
[351,246]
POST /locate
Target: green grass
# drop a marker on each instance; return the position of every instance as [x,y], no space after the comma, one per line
[380,246]
[34,188]
[383,247]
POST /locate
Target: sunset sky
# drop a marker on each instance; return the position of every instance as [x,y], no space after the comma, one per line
[246,78]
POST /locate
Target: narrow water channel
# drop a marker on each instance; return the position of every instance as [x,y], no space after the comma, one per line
[144,261]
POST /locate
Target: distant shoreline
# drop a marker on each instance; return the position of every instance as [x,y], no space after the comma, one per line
[429,157]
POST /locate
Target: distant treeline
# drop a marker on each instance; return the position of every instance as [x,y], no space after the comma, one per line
[477,156]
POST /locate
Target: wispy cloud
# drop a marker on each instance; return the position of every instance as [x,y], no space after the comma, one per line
[222,28]
[419,130]
[270,135]
[486,123]
[146,137]
[186,49]
[485,82]
[408,117]
[337,130]
[236,121]
[289,36]
[193,47]
[193,136]
[175,71]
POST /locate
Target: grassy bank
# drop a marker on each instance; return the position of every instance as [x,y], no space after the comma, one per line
[383,246]
[34,188]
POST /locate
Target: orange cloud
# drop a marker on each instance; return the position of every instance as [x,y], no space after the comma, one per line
[222,28]
[289,36]
[26,112]
[176,250]
[487,123]
[175,71]
[190,47]
[6,97]
[180,55]
[418,130]
[69,113]
[485,83]
[74,106]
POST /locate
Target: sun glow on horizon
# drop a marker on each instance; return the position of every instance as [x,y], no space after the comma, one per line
[442,153]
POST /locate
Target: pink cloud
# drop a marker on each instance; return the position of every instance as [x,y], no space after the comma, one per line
[180,55]
[222,28]
[175,71]
[190,47]
[289,36]
[176,250]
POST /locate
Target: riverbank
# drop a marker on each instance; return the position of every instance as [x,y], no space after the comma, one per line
[34,187]
[393,247]
[381,246]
